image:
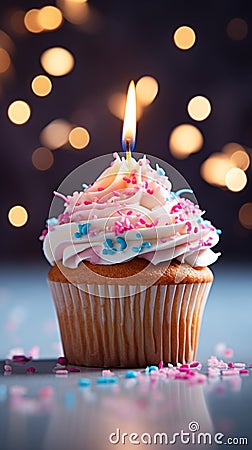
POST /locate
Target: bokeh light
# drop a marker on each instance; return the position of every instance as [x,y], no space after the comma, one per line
[245,215]
[214,169]
[41,85]
[232,147]
[146,90]
[50,18]
[55,134]
[18,216]
[235,179]
[57,61]
[237,29]
[6,42]
[19,112]
[75,11]
[5,60]
[79,137]
[31,21]
[184,37]
[199,108]
[240,159]
[184,140]
[42,158]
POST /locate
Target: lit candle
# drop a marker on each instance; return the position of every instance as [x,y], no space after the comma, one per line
[129,124]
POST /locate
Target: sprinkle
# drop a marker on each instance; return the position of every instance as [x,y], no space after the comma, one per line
[153,368]
[163,240]
[240,365]
[195,230]
[126,179]
[244,371]
[138,235]
[83,229]
[7,368]
[62,360]
[87,202]
[106,380]
[129,212]
[20,358]
[137,249]
[84,382]
[57,194]
[230,372]
[230,365]
[61,372]
[160,364]
[142,221]
[84,185]
[31,370]
[107,373]
[122,243]
[116,193]
[108,243]
[218,231]
[146,244]
[183,191]
[73,369]
[100,188]
[150,191]
[131,374]
[52,221]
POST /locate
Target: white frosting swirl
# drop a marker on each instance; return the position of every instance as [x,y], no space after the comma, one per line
[130,211]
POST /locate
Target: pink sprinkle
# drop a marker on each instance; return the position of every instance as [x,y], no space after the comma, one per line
[196,230]
[149,225]
[116,193]
[194,364]
[230,365]
[240,365]
[87,202]
[73,369]
[57,194]
[138,224]
[107,373]
[62,360]
[7,368]
[140,163]
[61,372]
[244,371]
[150,191]
[126,179]
[129,212]
[77,204]
[31,370]
[163,240]
[22,358]
[127,222]
[230,372]
[115,155]
[161,365]
[142,221]
[100,188]
[184,366]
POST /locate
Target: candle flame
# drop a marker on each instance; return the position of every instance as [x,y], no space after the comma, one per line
[129,124]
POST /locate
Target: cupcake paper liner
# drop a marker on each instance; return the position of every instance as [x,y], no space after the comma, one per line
[118,326]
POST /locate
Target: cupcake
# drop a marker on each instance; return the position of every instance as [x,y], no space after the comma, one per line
[129,274]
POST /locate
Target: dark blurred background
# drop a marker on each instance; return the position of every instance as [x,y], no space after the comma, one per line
[113,42]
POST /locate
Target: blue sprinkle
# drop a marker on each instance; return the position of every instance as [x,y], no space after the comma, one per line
[84,228]
[138,235]
[107,380]
[122,243]
[131,374]
[84,382]
[105,251]
[147,370]
[77,235]
[153,368]
[108,243]
[146,244]
[159,170]
[218,231]
[183,191]
[137,249]
[111,251]
[199,220]
[173,195]
[84,185]
[52,221]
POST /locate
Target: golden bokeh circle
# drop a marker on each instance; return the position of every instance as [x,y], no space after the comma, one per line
[18,216]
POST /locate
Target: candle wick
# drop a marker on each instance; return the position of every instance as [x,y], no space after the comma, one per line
[128,151]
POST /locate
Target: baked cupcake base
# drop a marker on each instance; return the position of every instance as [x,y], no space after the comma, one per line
[111,324]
